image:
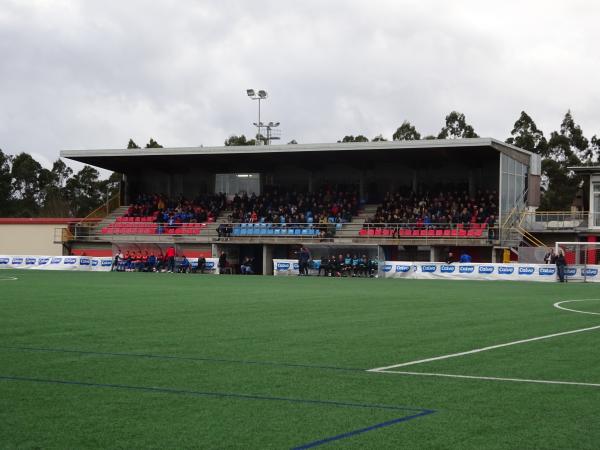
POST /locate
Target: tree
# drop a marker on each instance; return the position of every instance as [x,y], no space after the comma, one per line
[5,184]
[84,192]
[293,142]
[564,150]
[578,142]
[152,144]
[239,140]
[132,144]
[350,138]
[379,138]
[456,127]
[55,203]
[27,183]
[526,135]
[406,132]
[595,149]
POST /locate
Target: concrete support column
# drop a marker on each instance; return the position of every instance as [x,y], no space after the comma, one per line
[471,183]
[361,185]
[267,268]
[433,254]
[415,180]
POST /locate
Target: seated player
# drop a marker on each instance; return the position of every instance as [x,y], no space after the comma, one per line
[362,265]
[184,265]
[347,268]
[355,262]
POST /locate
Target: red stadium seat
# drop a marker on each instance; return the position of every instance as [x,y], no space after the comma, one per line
[439,233]
[447,232]
[462,233]
[362,232]
[430,232]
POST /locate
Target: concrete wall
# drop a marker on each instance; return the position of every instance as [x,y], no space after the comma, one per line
[29,239]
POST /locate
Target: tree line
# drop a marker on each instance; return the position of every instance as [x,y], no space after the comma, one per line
[29,190]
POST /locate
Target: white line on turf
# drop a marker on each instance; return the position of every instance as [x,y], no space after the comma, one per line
[483,349]
[8,279]
[492,347]
[557,305]
[472,377]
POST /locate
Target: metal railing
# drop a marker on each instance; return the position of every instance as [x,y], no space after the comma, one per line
[558,220]
[103,210]
[329,232]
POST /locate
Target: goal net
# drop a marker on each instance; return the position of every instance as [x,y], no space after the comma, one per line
[582,259]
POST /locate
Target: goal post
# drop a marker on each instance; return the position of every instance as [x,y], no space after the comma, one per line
[579,256]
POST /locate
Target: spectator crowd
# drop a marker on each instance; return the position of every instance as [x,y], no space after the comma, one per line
[172,212]
[428,210]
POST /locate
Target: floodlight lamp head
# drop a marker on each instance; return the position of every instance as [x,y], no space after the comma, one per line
[250,92]
[276,124]
[262,94]
[270,124]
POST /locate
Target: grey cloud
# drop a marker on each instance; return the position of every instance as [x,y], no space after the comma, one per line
[93,74]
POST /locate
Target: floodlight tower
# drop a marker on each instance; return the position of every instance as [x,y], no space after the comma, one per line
[270,126]
[258,95]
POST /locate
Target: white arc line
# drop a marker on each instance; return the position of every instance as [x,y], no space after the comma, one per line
[557,305]
[472,377]
[9,279]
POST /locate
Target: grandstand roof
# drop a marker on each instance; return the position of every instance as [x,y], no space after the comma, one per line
[123,160]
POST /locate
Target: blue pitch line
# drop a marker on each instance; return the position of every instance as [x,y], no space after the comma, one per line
[363,430]
[184,358]
[208,393]
[420,412]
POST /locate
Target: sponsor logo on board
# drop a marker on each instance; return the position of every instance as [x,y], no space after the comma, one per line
[505,270]
[428,268]
[526,270]
[570,271]
[30,261]
[55,260]
[400,268]
[447,268]
[43,261]
[84,261]
[280,266]
[106,262]
[70,261]
[17,261]
[589,272]
[547,271]
[387,267]
[466,269]
[4,260]
[486,269]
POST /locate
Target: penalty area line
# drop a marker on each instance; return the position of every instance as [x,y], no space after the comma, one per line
[483,349]
[475,377]
[8,278]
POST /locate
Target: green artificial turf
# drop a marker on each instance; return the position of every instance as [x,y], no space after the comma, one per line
[135,360]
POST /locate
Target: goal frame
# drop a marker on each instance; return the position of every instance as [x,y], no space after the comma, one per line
[580,248]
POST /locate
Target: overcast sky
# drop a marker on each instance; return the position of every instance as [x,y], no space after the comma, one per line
[94,73]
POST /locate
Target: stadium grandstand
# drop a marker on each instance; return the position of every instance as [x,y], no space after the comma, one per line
[402,200]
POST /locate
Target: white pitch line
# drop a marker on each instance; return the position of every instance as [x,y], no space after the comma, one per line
[557,305]
[483,349]
[472,377]
[9,279]
[492,347]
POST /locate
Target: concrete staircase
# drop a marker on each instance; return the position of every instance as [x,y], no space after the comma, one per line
[107,220]
[364,215]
